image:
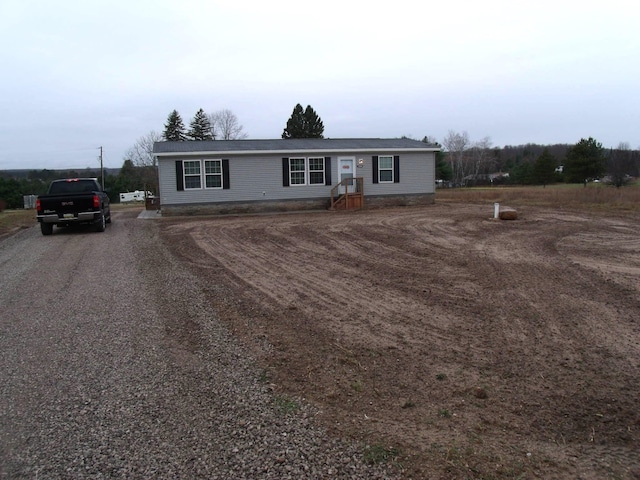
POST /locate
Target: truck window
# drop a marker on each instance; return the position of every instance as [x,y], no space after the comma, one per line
[73,186]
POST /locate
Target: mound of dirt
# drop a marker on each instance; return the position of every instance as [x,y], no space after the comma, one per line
[508,213]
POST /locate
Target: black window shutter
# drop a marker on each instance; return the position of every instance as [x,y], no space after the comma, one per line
[374,162]
[396,169]
[179,177]
[327,170]
[225,174]
[285,172]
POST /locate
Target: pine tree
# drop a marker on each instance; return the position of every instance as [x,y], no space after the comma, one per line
[544,168]
[303,124]
[313,124]
[584,160]
[174,128]
[200,127]
[295,124]
[521,173]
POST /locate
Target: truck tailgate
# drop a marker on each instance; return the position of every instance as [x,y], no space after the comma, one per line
[66,205]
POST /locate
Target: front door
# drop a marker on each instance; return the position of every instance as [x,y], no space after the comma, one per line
[347,167]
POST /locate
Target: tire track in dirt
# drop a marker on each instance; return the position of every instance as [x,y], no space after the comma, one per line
[570,336]
[300,276]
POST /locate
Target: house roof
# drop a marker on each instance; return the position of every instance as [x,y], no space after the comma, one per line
[292,145]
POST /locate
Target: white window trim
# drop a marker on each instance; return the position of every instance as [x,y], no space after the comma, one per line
[307,172]
[380,169]
[204,174]
[324,166]
[186,175]
[304,172]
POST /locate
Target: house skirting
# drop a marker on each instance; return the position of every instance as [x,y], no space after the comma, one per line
[274,206]
[381,201]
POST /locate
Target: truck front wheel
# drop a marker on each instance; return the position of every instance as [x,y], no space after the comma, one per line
[46,228]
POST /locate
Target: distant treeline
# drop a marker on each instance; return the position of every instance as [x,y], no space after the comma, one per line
[509,156]
[532,164]
[506,158]
[15,184]
[47,175]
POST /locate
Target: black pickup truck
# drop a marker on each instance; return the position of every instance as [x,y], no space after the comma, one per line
[73,201]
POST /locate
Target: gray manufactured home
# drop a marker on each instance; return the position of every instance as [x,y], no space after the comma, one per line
[242,176]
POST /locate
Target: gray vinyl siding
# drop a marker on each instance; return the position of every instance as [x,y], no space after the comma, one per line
[417,175]
[250,178]
[256,178]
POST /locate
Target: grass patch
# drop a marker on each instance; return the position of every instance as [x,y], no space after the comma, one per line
[593,196]
[16,219]
[374,454]
[478,462]
[286,405]
[357,386]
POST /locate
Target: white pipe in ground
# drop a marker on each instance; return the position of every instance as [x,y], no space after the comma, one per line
[496,210]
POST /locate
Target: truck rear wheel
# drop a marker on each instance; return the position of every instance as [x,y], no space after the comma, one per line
[46,228]
[102,223]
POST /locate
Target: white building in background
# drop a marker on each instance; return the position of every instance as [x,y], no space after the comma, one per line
[137,196]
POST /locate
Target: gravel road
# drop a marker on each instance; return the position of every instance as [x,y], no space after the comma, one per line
[114,364]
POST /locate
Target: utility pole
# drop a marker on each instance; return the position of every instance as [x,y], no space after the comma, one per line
[101,169]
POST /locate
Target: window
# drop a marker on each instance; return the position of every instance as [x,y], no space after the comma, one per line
[306,171]
[297,171]
[385,168]
[213,173]
[192,174]
[316,171]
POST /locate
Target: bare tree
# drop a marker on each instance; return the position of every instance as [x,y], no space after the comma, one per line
[226,126]
[481,154]
[141,154]
[620,164]
[456,145]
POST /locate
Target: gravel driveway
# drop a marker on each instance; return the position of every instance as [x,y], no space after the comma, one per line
[113,364]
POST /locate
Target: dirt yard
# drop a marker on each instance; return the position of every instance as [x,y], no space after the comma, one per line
[466,346]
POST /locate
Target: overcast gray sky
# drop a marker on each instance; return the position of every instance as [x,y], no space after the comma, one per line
[77,75]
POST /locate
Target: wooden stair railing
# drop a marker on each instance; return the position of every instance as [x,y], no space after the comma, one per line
[349,200]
